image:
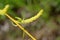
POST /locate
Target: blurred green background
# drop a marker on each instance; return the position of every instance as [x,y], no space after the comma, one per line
[47,27]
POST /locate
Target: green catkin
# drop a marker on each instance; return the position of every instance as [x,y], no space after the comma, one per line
[32,18]
[3,11]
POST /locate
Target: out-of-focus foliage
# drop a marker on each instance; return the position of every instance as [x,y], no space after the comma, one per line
[58,38]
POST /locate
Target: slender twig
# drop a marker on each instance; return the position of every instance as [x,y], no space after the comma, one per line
[16,22]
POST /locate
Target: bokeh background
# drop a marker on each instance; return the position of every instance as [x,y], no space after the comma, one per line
[47,27]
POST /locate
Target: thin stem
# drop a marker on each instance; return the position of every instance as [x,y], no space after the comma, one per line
[16,22]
